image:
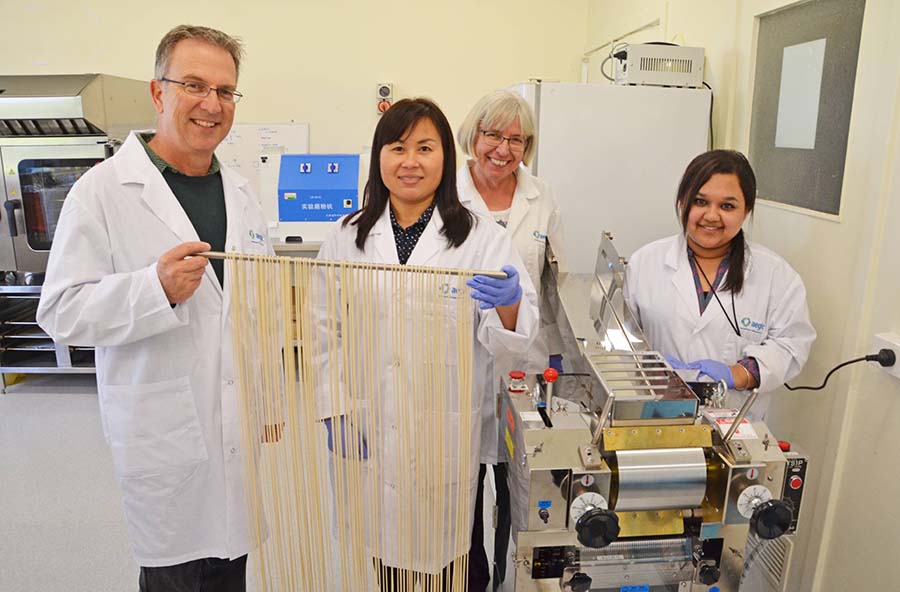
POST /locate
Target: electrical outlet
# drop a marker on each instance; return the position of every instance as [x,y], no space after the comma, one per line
[888,341]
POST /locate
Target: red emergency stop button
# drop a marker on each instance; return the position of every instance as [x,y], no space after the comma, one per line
[784,445]
[516,374]
[795,482]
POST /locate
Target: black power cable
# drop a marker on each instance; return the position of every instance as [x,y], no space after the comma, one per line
[712,98]
[885,357]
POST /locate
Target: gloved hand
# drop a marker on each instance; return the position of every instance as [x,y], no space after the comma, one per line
[715,370]
[361,446]
[556,362]
[493,292]
[677,364]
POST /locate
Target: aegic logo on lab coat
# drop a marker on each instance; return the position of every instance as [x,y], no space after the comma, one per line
[751,325]
[257,238]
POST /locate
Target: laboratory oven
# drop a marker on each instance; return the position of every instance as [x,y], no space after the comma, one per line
[52,130]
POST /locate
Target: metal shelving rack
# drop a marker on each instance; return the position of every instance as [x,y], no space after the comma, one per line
[25,348]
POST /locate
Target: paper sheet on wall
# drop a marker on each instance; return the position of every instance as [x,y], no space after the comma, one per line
[254,151]
[798,97]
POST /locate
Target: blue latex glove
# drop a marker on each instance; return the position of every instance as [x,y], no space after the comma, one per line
[715,370]
[362,447]
[677,364]
[556,362]
[493,292]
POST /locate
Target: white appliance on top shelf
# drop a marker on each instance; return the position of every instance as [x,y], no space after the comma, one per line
[659,64]
[613,156]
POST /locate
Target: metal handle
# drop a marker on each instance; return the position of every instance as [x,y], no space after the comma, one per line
[740,416]
[385,266]
[11,206]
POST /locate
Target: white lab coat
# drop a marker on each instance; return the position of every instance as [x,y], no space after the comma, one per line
[534,219]
[487,247]
[771,312]
[165,375]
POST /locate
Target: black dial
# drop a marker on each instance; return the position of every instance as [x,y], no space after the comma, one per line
[709,574]
[597,528]
[771,519]
[579,583]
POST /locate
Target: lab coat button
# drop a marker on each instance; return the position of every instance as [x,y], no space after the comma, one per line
[229,382]
[233,450]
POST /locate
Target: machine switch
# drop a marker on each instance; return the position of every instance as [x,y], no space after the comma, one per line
[795,482]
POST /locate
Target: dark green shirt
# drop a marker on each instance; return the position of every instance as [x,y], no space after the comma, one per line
[203,200]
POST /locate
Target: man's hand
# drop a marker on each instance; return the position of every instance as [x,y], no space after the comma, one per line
[179,273]
[272,433]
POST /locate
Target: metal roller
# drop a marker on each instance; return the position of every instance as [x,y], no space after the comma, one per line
[661,479]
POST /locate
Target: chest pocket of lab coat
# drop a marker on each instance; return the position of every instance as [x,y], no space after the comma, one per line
[153,430]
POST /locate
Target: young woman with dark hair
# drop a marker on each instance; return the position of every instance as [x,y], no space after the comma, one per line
[412,215]
[710,300]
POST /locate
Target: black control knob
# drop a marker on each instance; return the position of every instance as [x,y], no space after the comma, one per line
[771,519]
[580,582]
[597,528]
[709,574]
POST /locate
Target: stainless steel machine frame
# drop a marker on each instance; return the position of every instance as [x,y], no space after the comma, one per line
[625,481]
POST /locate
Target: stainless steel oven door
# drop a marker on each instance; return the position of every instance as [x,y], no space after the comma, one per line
[38,178]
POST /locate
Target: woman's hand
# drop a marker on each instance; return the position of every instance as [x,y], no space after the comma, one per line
[347,449]
[711,368]
[492,292]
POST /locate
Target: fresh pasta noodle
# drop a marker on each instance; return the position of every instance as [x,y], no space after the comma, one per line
[316,343]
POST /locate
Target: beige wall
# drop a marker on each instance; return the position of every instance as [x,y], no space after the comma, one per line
[317,61]
[849,264]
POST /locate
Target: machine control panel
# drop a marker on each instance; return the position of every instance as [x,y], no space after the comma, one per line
[794,484]
[550,562]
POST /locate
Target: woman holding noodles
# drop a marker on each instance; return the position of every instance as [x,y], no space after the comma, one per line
[416,430]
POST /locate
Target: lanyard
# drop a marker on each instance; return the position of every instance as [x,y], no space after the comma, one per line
[734,324]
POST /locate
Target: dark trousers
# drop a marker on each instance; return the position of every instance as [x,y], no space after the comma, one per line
[479,569]
[201,575]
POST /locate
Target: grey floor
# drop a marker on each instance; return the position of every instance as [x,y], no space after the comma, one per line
[61,525]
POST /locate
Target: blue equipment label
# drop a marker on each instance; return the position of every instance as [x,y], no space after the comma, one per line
[544,504]
[317,187]
[634,589]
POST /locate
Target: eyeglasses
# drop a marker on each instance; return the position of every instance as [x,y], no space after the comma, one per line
[493,138]
[199,89]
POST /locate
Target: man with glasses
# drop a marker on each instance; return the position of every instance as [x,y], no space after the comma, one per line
[126,275]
